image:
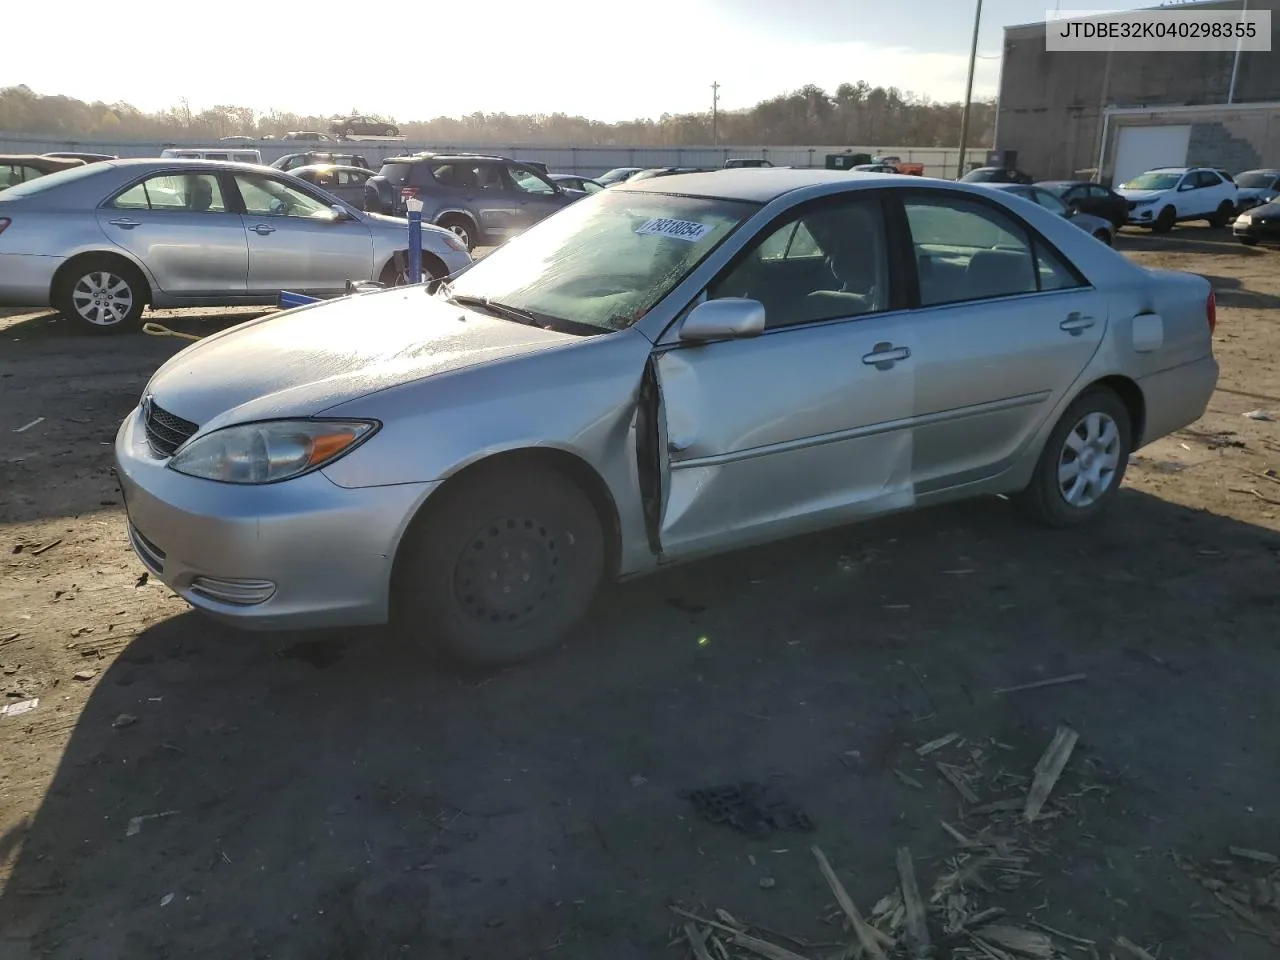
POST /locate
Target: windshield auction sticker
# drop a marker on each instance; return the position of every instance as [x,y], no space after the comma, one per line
[675,229]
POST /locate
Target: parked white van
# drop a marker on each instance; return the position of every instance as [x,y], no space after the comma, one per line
[211,153]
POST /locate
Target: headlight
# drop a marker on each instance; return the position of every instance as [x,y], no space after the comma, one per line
[270,451]
[1143,203]
[1244,218]
[455,241]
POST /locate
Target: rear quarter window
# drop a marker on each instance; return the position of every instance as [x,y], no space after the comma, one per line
[395,173]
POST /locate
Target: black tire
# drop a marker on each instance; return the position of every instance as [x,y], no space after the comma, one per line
[391,132]
[1248,241]
[349,132]
[1165,221]
[544,538]
[1103,236]
[1226,210]
[432,271]
[462,226]
[104,287]
[1044,498]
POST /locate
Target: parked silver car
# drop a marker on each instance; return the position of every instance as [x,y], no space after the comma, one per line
[345,183]
[660,371]
[1096,227]
[100,241]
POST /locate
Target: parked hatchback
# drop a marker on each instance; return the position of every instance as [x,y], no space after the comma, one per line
[1167,195]
[101,241]
[311,158]
[1255,187]
[484,200]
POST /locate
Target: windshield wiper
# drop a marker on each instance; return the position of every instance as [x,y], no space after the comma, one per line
[542,321]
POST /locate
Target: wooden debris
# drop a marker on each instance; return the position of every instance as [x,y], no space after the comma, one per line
[1048,770]
[925,749]
[1036,685]
[1131,948]
[1000,806]
[866,934]
[956,835]
[728,919]
[987,949]
[1058,933]
[1258,856]
[697,941]
[908,780]
[1025,943]
[955,777]
[764,948]
[48,546]
[917,930]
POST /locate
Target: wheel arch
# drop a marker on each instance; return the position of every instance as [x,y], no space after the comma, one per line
[427,257]
[467,215]
[65,268]
[573,468]
[1131,396]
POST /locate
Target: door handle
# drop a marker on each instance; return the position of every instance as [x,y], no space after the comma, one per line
[885,355]
[1075,324]
[263,229]
[125,222]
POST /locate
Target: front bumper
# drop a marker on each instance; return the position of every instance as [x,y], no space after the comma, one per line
[299,554]
[1142,216]
[1255,229]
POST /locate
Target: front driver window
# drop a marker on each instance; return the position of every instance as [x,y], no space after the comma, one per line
[265,197]
[825,264]
[174,193]
[530,182]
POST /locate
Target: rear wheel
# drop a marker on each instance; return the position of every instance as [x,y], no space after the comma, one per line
[102,294]
[1226,210]
[1083,462]
[389,132]
[1165,221]
[502,566]
[462,227]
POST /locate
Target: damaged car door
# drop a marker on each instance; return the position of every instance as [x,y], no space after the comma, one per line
[784,395]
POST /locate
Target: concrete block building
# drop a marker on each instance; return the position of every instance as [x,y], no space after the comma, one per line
[1115,114]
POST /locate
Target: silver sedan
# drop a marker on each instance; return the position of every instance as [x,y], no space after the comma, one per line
[658,372]
[100,242]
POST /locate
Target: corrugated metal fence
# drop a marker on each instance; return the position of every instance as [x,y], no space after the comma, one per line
[586,161]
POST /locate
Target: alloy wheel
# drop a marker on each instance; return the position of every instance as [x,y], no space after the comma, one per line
[102,298]
[1088,460]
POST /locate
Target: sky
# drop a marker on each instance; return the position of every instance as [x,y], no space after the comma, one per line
[605,61]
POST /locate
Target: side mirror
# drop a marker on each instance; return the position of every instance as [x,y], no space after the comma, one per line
[340,212]
[729,319]
[1186,186]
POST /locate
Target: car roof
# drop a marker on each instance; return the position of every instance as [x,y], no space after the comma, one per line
[1175,169]
[1275,171]
[195,163]
[761,185]
[424,157]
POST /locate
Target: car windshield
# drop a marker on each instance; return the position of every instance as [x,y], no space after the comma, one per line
[53,180]
[1057,189]
[618,173]
[1256,180]
[981,175]
[605,260]
[1153,181]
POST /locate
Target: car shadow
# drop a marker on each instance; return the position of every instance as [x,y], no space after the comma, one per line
[45,324]
[1189,238]
[342,795]
[1231,292]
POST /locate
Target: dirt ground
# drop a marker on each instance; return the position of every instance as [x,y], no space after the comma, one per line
[332,796]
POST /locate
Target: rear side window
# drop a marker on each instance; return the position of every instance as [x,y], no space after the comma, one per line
[395,173]
[966,250]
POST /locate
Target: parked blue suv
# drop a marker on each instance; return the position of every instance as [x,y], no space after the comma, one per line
[484,200]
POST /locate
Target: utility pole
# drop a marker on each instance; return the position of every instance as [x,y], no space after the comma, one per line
[715,112]
[968,91]
[1235,64]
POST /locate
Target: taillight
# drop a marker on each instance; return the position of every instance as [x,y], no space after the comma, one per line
[4,222]
[1211,310]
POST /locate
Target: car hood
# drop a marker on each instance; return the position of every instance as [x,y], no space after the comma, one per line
[1255,193]
[401,224]
[1142,194]
[300,363]
[1265,210]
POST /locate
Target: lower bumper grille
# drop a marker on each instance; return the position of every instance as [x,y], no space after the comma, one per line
[152,557]
[166,432]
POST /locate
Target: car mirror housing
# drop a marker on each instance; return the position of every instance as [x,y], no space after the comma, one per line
[340,212]
[731,318]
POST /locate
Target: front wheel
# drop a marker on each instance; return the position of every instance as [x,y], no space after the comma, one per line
[502,567]
[102,295]
[396,273]
[1103,236]
[1165,221]
[1083,462]
[390,132]
[1226,210]
[1248,241]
